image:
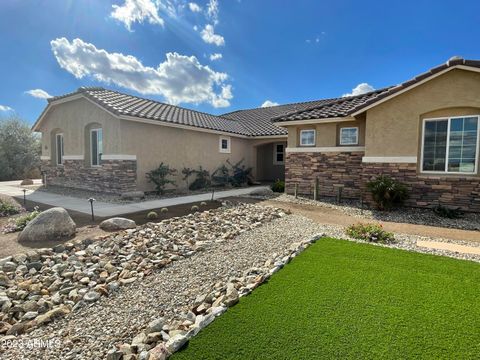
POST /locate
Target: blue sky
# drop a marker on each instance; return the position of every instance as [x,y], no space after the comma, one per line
[280,51]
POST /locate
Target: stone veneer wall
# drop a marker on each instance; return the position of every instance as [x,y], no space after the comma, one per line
[114,176]
[347,169]
[331,168]
[428,190]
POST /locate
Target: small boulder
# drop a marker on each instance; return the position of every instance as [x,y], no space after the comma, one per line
[262,192]
[132,195]
[231,297]
[117,223]
[26,182]
[176,343]
[52,224]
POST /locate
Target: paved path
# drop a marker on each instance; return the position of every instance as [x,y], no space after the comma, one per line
[450,247]
[104,209]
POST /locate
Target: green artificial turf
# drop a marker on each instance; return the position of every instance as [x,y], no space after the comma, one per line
[340,299]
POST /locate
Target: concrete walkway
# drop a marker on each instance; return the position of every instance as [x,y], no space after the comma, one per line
[464,249]
[103,209]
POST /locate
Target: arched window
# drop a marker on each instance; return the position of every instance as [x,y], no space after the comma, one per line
[93,144]
[57,147]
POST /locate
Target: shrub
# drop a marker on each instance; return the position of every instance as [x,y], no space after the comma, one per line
[194,208]
[202,181]
[278,186]
[23,220]
[187,172]
[203,203]
[369,232]
[387,192]
[160,177]
[164,210]
[446,212]
[152,215]
[8,207]
[240,173]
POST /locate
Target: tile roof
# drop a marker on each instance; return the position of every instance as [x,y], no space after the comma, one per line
[348,105]
[123,104]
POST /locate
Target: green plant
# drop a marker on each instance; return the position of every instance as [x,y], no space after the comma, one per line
[387,192]
[8,207]
[160,177]
[446,212]
[152,215]
[194,208]
[203,203]
[164,210]
[187,172]
[221,176]
[369,232]
[278,186]
[240,173]
[202,181]
[23,220]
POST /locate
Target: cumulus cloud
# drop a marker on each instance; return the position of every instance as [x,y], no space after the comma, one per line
[137,11]
[269,103]
[194,7]
[209,36]
[360,89]
[5,108]
[38,93]
[180,78]
[216,56]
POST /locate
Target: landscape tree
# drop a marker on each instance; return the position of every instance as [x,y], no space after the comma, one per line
[19,149]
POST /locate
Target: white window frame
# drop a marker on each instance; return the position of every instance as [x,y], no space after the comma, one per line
[91,148]
[275,153]
[314,137]
[449,119]
[229,143]
[356,137]
[59,151]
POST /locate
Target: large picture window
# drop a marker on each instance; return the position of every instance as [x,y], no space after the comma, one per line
[59,148]
[96,146]
[450,145]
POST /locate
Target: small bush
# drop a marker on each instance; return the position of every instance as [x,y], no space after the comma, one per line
[152,215]
[203,203]
[387,192]
[446,212]
[369,232]
[164,210]
[202,181]
[194,208]
[23,220]
[160,177]
[8,208]
[278,186]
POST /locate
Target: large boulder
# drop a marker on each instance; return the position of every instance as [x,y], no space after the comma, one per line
[52,224]
[117,223]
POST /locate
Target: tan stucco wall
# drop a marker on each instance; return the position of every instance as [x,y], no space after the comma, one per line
[394,127]
[71,118]
[326,134]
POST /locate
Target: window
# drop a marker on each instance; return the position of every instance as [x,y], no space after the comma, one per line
[59,148]
[307,137]
[450,145]
[278,154]
[224,145]
[349,136]
[96,146]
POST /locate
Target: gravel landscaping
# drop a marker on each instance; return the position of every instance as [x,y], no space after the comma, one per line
[470,221]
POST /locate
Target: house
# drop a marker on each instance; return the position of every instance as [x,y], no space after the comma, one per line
[423,132]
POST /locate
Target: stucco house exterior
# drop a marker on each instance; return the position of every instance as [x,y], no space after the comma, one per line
[424,132]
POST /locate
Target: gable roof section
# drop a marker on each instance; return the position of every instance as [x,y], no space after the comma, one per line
[354,105]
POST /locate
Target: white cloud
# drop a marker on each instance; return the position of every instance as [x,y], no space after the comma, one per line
[38,93]
[216,56]
[5,108]
[360,89]
[209,36]
[194,7]
[137,11]
[195,27]
[269,103]
[180,78]
[212,10]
